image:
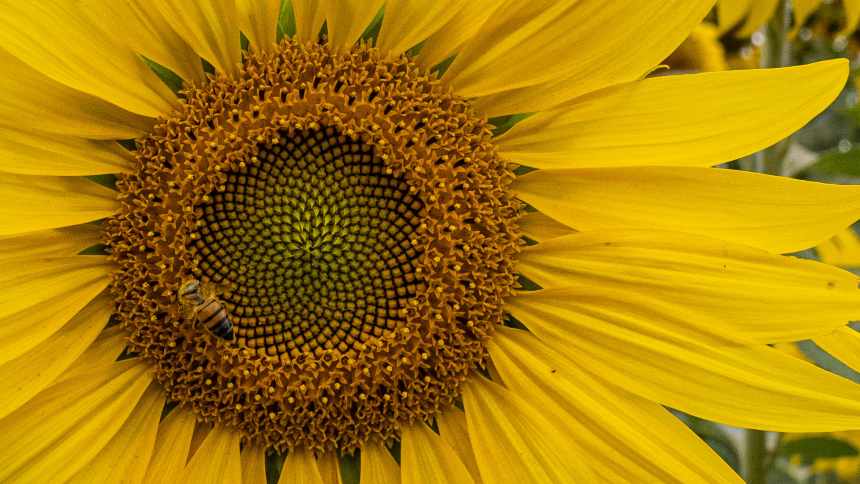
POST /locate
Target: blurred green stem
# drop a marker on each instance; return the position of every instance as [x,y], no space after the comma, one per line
[756,455]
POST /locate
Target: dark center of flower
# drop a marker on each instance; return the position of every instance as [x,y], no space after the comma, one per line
[313,238]
[353,218]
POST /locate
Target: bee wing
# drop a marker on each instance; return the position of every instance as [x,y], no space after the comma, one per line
[214,289]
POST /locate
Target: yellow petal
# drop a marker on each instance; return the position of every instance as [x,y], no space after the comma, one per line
[25,376]
[217,460]
[32,100]
[451,37]
[346,20]
[253,464]
[102,352]
[539,227]
[696,120]
[259,21]
[760,12]
[843,344]
[755,296]
[454,431]
[648,353]
[852,15]
[300,468]
[329,468]
[841,250]
[626,438]
[773,213]
[377,465]
[426,457]
[32,203]
[211,28]
[408,22]
[309,15]
[535,55]
[172,445]
[57,433]
[802,10]
[148,33]
[65,241]
[515,442]
[24,151]
[56,38]
[125,457]
[730,12]
[41,296]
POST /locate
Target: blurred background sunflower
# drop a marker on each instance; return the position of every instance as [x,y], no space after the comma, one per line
[393,241]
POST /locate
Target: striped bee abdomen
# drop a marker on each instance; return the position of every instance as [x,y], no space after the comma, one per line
[213,316]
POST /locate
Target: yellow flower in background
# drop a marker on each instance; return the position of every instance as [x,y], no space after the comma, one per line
[700,52]
[361,227]
[751,15]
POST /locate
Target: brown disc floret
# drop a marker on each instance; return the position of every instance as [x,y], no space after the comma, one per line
[356,221]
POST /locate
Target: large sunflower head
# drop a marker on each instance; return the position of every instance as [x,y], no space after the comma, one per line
[439,241]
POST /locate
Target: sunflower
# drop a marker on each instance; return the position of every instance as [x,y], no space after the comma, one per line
[755,13]
[385,287]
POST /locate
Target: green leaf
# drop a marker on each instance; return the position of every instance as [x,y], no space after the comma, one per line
[286,21]
[837,163]
[350,468]
[812,448]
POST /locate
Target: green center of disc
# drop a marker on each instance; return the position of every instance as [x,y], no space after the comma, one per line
[312,240]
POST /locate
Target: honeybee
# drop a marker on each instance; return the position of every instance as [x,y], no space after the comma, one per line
[199,302]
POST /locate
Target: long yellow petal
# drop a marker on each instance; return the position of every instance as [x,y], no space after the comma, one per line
[346,20]
[694,120]
[309,15]
[408,22]
[61,430]
[33,100]
[217,460]
[773,213]
[329,468]
[105,350]
[515,442]
[211,28]
[58,39]
[852,15]
[62,242]
[172,445]
[378,465]
[451,37]
[649,354]
[843,344]
[755,296]
[41,296]
[300,468]
[26,152]
[148,33]
[253,464]
[535,55]
[760,12]
[25,376]
[730,12]
[31,203]
[842,250]
[426,457]
[627,438]
[259,21]
[125,458]
[540,227]
[454,430]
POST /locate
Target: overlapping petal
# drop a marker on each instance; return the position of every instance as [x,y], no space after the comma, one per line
[752,294]
[408,22]
[26,152]
[773,213]
[346,20]
[61,242]
[426,457]
[300,468]
[677,120]
[259,21]
[172,445]
[377,465]
[217,461]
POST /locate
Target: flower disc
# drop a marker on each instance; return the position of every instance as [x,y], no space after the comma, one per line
[355,221]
